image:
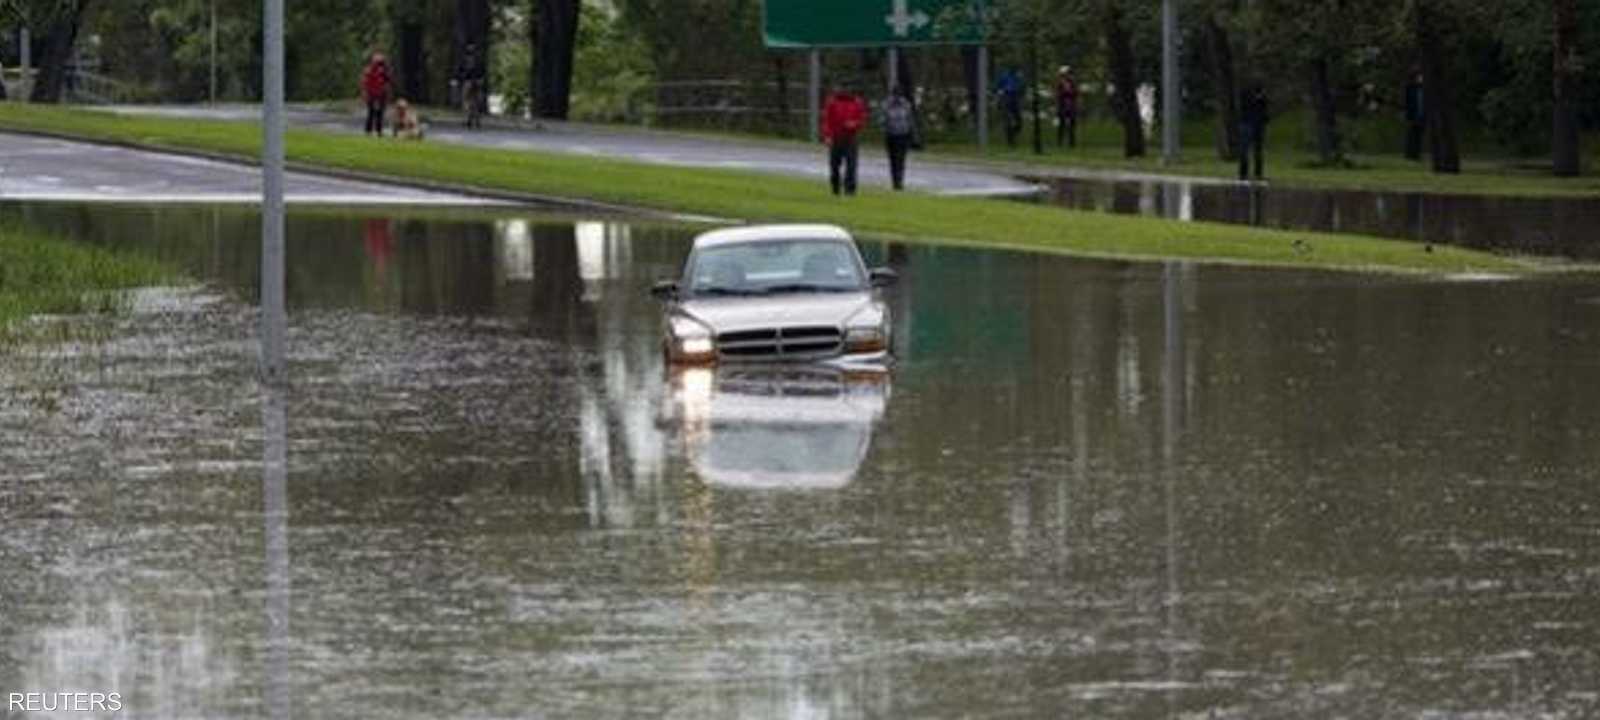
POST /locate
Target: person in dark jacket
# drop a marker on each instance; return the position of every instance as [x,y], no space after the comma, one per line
[1009,89]
[1416,115]
[1252,129]
[1066,108]
[375,91]
[899,133]
[843,118]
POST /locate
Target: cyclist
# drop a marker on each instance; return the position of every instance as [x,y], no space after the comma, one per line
[470,75]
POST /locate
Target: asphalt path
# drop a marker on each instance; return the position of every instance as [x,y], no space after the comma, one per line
[37,168]
[665,148]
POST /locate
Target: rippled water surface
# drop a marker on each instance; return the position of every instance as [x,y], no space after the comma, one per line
[1088,490]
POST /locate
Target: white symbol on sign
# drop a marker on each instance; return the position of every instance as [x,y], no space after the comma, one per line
[903,20]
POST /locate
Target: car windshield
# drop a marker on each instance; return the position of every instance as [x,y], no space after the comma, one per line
[770,267]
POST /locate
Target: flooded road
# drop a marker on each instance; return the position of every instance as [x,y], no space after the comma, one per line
[1562,227]
[1088,490]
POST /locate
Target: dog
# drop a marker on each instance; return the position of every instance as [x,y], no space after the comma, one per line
[407,126]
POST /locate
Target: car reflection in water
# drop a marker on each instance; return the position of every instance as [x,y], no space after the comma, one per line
[776,428]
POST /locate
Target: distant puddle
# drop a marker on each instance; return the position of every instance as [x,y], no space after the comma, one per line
[1562,227]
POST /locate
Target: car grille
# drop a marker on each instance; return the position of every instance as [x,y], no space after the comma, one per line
[788,343]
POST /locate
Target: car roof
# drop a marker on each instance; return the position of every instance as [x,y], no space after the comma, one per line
[769,233]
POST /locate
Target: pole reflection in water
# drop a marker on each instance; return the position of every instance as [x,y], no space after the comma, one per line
[275,510]
[1173,393]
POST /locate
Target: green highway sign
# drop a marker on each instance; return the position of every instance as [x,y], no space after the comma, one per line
[871,23]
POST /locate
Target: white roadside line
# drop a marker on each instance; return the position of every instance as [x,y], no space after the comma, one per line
[113,196]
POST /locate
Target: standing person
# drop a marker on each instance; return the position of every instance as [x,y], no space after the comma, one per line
[1009,90]
[899,133]
[470,73]
[1416,115]
[1066,107]
[375,91]
[843,118]
[1252,129]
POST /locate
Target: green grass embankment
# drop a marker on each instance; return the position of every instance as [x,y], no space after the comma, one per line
[1374,158]
[1292,167]
[44,274]
[762,197]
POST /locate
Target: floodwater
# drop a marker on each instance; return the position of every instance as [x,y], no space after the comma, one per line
[1088,490]
[1557,227]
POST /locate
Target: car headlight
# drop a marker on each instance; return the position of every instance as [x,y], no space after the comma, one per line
[691,339]
[867,330]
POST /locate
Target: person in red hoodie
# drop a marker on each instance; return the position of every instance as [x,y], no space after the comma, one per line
[375,91]
[843,118]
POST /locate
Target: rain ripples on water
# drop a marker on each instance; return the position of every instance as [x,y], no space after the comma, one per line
[1087,489]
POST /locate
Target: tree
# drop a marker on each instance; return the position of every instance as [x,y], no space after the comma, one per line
[555,44]
[1568,64]
[410,20]
[472,25]
[60,21]
[1438,89]
[1318,38]
[1124,80]
[1225,86]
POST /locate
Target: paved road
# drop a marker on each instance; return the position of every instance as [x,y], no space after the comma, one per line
[35,168]
[651,146]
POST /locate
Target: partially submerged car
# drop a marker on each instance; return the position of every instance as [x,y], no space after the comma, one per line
[776,293]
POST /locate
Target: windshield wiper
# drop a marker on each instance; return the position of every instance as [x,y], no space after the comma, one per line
[807,287]
[725,291]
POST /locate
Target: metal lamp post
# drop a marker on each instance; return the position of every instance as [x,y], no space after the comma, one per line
[1171,87]
[274,322]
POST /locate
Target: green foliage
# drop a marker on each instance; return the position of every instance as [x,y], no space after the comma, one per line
[166,44]
[612,69]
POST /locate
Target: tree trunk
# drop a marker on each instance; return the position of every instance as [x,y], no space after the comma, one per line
[969,72]
[1326,111]
[58,45]
[1033,92]
[1226,87]
[2,87]
[1125,100]
[472,27]
[413,65]
[1564,140]
[1436,88]
[781,70]
[554,47]
[906,75]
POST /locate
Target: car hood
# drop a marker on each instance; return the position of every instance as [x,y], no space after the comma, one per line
[724,314]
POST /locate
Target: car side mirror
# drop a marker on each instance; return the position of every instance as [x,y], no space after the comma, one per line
[884,277]
[664,290]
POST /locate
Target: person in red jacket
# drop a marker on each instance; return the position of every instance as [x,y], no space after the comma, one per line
[375,91]
[843,118]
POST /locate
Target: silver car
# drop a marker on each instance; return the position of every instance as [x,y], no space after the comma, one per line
[777,293]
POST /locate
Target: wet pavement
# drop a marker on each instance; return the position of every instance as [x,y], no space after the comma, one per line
[664,148]
[1088,490]
[1556,227]
[37,168]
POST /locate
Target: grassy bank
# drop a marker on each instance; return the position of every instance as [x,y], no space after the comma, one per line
[752,196]
[44,274]
[1374,159]
[1287,163]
